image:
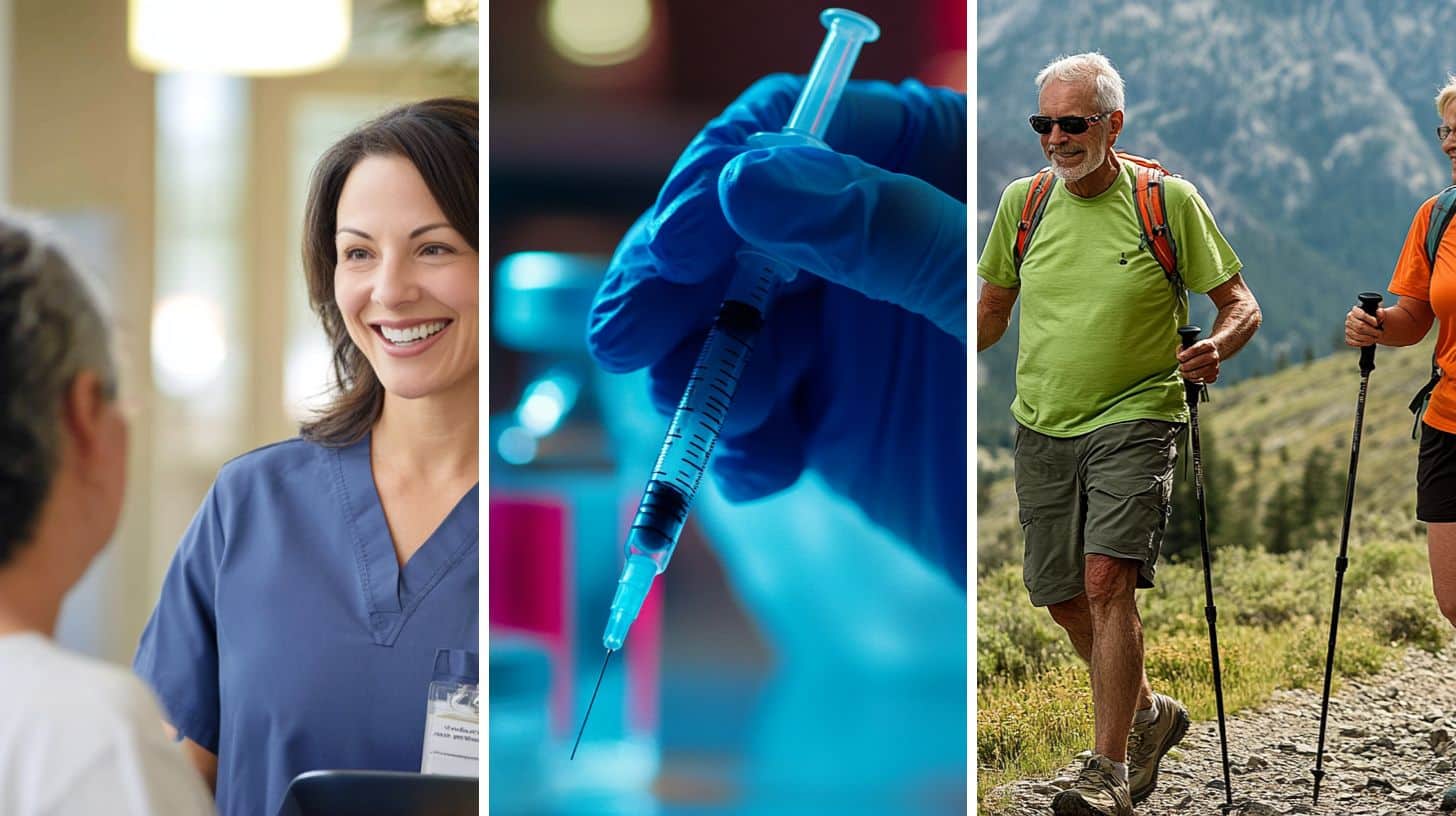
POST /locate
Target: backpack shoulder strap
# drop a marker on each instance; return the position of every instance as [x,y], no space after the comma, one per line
[1142,161]
[1152,211]
[1031,212]
[1435,230]
[1440,220]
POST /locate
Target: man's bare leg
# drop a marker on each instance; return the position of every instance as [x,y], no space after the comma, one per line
[1075,617]
[1118,679]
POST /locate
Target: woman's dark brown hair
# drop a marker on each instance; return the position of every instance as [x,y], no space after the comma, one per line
[441,138]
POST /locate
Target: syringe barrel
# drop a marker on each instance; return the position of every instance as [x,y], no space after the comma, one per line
[699,418]
[847,32]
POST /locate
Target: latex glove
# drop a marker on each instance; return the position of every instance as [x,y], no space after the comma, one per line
[859,371]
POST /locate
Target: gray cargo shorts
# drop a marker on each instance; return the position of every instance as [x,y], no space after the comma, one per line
[1107,492]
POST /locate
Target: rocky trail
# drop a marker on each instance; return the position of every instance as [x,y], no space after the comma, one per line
[1390,751]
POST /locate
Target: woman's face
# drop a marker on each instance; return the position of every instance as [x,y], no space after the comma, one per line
[406,282]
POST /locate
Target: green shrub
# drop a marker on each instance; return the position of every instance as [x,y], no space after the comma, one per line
[1014,640]
[1402,611]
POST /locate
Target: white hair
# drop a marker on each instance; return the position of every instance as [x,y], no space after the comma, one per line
[1089,67]
[1446,95]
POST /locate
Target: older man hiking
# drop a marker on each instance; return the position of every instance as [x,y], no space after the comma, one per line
[1099,405]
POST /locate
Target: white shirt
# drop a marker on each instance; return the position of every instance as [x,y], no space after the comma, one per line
[79,736]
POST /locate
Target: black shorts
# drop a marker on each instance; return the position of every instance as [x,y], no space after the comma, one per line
[1436,476]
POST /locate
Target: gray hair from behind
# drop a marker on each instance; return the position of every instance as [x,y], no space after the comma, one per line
[1088,67]
[1446,95]
[52,328]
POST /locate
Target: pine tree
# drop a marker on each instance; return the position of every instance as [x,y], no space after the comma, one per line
[1244,514]
[1279,520]
[1182,536]
[1316,490]
[1218,489]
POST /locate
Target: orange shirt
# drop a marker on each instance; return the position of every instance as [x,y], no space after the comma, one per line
[1413,278]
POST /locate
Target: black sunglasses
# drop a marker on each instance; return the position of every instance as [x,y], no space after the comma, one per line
[1069,124]
[1442,132]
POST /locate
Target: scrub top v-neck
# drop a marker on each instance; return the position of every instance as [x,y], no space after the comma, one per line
[288,638]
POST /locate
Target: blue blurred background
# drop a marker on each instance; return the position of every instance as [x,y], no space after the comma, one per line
[795,658]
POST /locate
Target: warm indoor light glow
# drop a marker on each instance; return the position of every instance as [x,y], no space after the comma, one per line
[188,344]
[451,12]
[599,32]
[238,37]
[306,383]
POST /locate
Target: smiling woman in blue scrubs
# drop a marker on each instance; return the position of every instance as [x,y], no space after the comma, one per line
[300,621]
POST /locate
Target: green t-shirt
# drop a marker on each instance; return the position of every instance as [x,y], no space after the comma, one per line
[1099,318]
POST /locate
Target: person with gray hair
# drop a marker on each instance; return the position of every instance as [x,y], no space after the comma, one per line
[77,736]
[1425,283]
[1099,405]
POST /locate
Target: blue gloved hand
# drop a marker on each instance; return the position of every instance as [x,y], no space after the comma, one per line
[859,371]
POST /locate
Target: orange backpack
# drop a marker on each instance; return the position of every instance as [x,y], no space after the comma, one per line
[1152,213]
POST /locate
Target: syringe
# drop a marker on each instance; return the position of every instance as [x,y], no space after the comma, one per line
[699,417]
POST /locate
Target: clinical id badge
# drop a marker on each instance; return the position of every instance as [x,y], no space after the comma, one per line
[452,716]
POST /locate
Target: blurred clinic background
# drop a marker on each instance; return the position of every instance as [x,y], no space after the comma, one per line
[170,143]
[794,658]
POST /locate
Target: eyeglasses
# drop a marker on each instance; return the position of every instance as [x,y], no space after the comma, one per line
[1442,132]
[1069,124]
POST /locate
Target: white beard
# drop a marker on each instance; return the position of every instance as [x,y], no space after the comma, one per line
[1092,161]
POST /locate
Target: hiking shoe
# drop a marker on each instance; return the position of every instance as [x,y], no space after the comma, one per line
[1098,792]
[1147,744]
[1448,801]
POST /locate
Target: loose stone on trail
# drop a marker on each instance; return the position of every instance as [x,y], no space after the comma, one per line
[1391,754]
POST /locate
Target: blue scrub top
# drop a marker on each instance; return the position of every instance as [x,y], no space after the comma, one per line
[288,638]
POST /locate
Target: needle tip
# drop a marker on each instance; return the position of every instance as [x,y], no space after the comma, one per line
[591,703]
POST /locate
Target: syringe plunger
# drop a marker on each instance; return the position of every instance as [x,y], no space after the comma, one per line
[847,32]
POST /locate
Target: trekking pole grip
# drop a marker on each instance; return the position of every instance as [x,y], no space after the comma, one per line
[1370,302]
[1188,335]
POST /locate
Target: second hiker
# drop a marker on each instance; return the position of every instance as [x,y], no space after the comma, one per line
[1425,281]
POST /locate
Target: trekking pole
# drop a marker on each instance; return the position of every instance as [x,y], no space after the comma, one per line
[1370,302]
[1192,391]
